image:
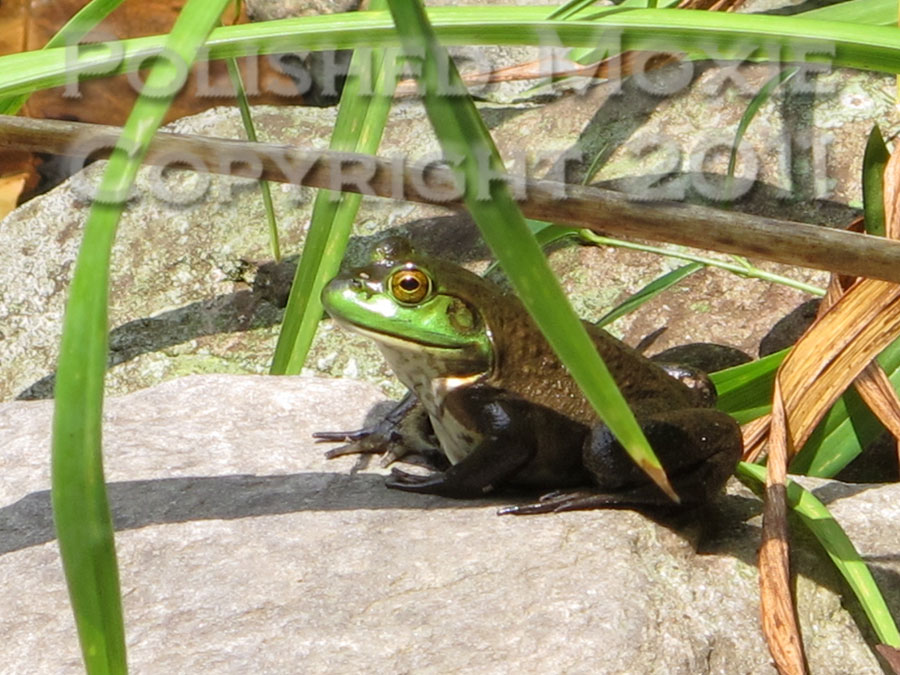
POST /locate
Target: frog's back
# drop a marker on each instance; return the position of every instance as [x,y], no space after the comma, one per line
[527,365]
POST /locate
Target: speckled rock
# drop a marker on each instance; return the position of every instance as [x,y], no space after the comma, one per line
[241,549]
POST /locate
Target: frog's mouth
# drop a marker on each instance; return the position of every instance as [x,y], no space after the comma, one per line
[407,342]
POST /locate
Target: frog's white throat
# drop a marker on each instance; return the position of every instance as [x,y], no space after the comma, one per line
[425,374]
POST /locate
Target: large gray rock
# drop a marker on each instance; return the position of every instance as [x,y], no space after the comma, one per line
[242,550]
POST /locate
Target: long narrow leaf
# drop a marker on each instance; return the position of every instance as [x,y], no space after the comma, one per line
[740,269]
[465,138]
[234,74]
[870,12]
[757,102]
[80,505]
[753,37]
[358,128]
[874,160]
[815,516]
[648,292]
[74,29]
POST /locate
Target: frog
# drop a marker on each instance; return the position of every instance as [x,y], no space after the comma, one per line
[490,406]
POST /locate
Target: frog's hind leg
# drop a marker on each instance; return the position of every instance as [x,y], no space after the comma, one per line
[697,447]
[566,500]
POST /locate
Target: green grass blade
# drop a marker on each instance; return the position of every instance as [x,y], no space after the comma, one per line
[358,128]
[757,102]
[234,74]
[740,269]
[467,143]
[648,292]
[874,160]
[871,12]
[745,391]
[80,506]
[813,514]
[72,31]
[570,9]
[545,234]
[753,37]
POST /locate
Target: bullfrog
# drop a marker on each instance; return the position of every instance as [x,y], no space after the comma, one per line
[493,407]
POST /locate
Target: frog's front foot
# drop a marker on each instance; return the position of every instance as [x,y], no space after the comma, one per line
[403,431]
[379,438]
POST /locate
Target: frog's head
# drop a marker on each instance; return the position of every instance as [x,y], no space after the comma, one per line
[421,308]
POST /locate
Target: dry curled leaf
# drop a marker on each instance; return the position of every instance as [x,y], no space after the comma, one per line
[835,350]
[779,622]
[857,320]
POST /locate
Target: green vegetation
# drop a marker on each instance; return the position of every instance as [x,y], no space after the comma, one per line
[855,34]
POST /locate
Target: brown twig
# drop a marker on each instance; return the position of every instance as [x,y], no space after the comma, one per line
[603,211]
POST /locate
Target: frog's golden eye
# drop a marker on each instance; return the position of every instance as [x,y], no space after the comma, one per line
[410,286]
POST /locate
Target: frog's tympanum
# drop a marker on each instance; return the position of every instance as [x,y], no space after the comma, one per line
[492,403]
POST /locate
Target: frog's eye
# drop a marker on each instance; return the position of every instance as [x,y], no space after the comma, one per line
[410,286]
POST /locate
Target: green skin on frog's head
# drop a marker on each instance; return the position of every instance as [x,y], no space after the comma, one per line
[419,311]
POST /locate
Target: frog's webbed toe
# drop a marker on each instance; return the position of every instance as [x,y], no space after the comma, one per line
[402,434]
[414,482]
[371,444]
[563,500]
[392,448]
[377,438]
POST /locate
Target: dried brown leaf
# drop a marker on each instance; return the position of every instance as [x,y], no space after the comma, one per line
[891,655]
[755,435]
[891,189]
[10,189]
[831,354]
[779,621]
[873,384]
[835,350]
[879,394]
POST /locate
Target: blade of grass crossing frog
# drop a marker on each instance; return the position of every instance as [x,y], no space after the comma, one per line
[545,234]
[466,141]
[359,127]
[80,505]
[817,519]
[237,82]
[874,160]
[72,31]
